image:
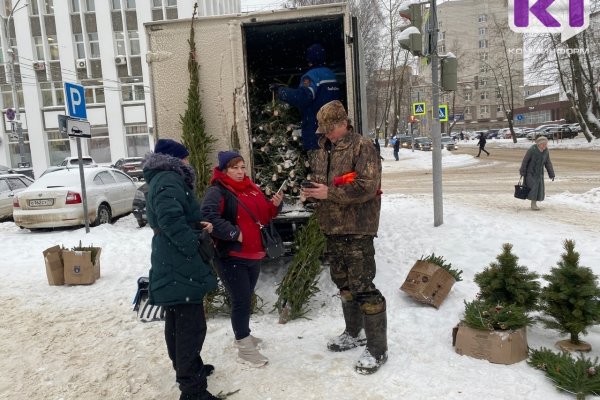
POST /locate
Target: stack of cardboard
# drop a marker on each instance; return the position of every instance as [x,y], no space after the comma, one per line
[428,283]
[71,267]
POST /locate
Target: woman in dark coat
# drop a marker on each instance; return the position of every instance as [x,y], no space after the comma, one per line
[179,278]
[233,204]
[532,169]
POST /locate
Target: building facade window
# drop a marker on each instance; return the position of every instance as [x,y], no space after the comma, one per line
[483,56]
[99,145]
[94,92]
[38,44]
[120,44]
[7,99]
[48,7]
[441,49]
[482,18]
[134,43]
[483,44]
[58,147]
[79,45]
[53,47]
[75,6]
[132,89]
[52,94]
[484,109]
[468,96]
[483,96]
[94,45]
[164,9]
[90,5]
[482,31]
[138,141]
[441,35]
[467,110]
[499,108]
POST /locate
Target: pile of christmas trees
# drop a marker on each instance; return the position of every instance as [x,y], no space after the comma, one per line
[569,303]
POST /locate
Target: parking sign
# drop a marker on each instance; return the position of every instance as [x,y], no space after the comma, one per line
[75,96]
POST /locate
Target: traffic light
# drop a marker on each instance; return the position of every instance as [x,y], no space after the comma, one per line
[411,37]
[449,72]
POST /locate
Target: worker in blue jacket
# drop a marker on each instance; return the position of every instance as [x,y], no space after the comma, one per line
[317,87]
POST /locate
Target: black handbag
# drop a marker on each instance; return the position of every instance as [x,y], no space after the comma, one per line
[521,191]
[272,241]
[146,312]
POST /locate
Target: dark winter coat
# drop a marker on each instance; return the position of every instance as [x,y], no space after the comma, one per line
[178,274]
[351,208]
[482,140]
[221,206]
[317,87]
[532,168]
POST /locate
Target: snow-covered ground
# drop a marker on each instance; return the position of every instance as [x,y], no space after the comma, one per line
[84,342]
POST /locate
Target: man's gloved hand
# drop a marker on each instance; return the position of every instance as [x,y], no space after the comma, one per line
[552,179]
[273,87]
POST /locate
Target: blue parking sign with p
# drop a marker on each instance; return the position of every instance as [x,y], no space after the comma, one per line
[75,96]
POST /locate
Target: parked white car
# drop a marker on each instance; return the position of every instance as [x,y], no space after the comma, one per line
[10,185]
[55,199]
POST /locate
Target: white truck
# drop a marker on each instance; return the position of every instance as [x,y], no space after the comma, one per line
[238,56]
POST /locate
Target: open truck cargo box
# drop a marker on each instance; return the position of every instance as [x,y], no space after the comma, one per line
[239,56]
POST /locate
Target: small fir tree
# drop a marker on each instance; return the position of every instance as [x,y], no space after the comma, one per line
[571,300]
[198,142]
[576,376]
[480,314]
[506,282]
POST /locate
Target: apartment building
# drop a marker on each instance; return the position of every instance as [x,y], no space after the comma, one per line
[477,33]
[99,44]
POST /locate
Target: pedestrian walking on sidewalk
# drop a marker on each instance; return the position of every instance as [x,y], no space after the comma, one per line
[481,143]
[532,170]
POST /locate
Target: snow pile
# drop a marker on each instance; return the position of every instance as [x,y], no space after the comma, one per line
[589,200]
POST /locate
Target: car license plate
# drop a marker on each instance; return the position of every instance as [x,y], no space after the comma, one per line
[41,202]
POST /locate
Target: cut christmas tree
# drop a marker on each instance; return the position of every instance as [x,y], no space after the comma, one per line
[570,302]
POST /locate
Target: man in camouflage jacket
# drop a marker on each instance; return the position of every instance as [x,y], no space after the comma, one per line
[347,181]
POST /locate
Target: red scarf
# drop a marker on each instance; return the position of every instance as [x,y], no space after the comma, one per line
[246,185]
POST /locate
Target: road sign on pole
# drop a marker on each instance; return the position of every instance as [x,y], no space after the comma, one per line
[443,112]
[419,108]
[77,128]
[75,97]
[10,114]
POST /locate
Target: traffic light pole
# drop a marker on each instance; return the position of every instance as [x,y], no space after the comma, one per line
[436,134]
[13,83]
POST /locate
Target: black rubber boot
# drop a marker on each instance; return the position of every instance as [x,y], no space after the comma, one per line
[375,355]
[353,336]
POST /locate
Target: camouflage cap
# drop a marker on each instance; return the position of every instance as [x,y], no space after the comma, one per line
[330,115]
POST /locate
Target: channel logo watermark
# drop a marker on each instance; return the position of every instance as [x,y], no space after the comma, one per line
[567,17]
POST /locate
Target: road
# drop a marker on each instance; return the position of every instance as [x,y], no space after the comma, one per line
[490,184]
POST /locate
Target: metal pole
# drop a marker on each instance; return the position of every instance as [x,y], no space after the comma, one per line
[13,83]
[436,135]
[86,216]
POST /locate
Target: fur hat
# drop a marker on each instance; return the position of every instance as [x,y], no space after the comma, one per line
[541,139]
[315,55]
[330,115]
[171,148]
[226,156]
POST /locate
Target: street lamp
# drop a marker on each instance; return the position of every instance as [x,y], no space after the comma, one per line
[16,125]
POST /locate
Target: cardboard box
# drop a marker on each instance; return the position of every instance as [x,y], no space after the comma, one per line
[79,268]
[499,347]
[54,266]
[428,283]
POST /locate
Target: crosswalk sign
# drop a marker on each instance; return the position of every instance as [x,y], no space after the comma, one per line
[443,112]
[418,109]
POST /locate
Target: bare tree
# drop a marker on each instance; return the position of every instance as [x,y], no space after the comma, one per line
[506,75]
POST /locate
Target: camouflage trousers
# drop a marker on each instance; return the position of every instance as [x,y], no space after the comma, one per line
[352,268]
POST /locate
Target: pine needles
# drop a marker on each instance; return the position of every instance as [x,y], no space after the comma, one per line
[300,281]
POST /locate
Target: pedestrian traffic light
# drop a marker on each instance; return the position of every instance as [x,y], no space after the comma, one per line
[411,37]
[449,72]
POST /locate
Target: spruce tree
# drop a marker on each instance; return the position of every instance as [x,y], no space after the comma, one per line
[505,282]
[571,300]
[198,142]
[576,376]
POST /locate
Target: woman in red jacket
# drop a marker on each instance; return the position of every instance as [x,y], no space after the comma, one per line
[235,206]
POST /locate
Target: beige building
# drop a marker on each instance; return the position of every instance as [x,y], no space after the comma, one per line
[490,64]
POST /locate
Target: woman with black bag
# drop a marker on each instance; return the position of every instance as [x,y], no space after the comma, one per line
[532,169]
[237,209]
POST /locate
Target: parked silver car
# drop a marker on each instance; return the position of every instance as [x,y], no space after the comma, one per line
[55,199]
[10,185]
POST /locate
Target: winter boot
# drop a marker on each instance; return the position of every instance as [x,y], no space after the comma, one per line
[248,353]
[375,355]
[534,206]
[354,335]
[257,342]
[205,395]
